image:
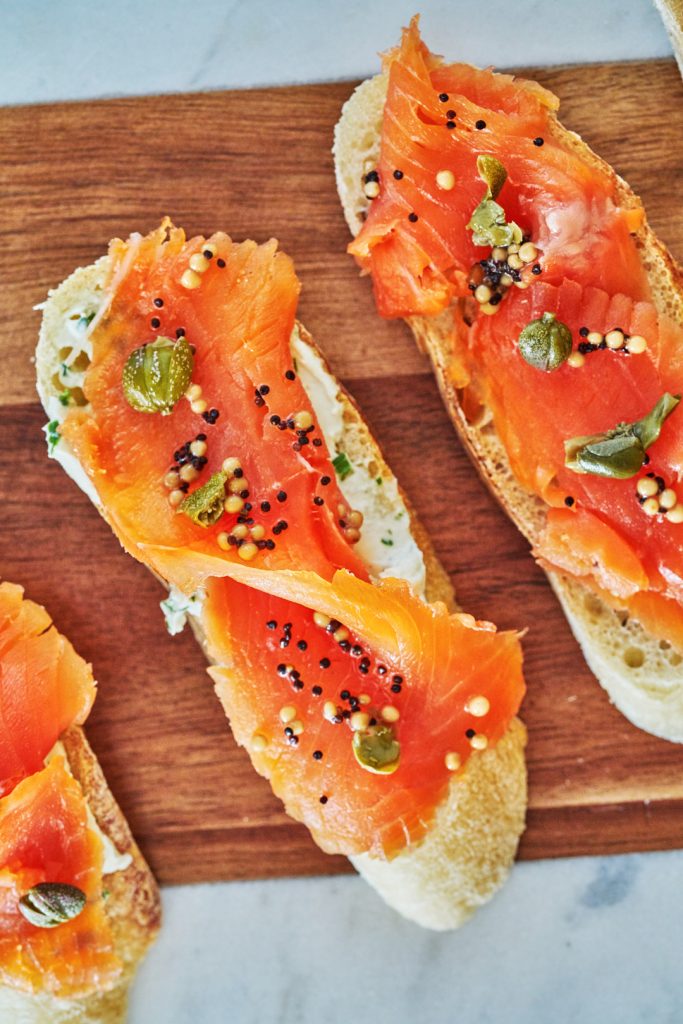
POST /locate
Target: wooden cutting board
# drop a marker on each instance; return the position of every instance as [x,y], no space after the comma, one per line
[258,163]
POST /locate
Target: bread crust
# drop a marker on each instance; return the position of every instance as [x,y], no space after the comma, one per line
[672,16]
[133,909]
[646,686]
[464,842]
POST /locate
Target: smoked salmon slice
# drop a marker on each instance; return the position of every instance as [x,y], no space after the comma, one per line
[45,837]
[583,545]
[45,687]
[441,117]
[447,685]
[239,322]
[567,251]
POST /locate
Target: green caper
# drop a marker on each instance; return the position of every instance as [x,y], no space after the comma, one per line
[648,429]
[50,904]
[156,375]
[376,749]
[619,457]
[205,505]
[488,222]
[545,343]
[492,172]
[619,453]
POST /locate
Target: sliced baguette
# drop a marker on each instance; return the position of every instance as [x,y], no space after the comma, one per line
[671,12]
[468,852]
[643,676]
[133,908]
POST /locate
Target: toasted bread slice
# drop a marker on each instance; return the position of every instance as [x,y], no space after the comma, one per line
[643,676]
[471,845]
[672,16]
[133,908]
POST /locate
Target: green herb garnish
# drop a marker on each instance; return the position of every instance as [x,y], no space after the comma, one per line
[205,506]
[342,466]
[50,904]
[52,435]
[388,541]
[488,223]
[156,375]
[545,343]
[619,453]
[379,481]
[85,321]
[65,397]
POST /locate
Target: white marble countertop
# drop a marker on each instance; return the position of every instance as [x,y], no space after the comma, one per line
[595,940]
[74,49]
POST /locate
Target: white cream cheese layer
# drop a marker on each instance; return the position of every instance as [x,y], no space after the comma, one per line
[113,859]
[61,452]
[177,606]
[386,546]
[77,348]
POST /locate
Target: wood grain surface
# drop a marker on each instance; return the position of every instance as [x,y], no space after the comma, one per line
[258,163]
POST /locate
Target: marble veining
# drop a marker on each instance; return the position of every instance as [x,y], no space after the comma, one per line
[592,940]
[612,884]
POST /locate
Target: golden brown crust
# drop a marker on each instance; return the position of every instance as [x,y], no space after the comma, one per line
[133,904]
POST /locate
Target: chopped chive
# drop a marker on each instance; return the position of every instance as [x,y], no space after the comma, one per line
[342,466]
[52,435]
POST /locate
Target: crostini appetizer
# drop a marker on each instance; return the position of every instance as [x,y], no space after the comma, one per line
[553,319]
[78,904]
[199,416]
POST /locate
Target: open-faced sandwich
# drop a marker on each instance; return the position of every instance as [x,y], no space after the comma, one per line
[552,316]
[201,419]
[78,904]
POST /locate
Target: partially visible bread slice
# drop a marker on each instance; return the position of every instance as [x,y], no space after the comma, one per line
[672,16]
[642,675]
[133,909]
[468,852]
